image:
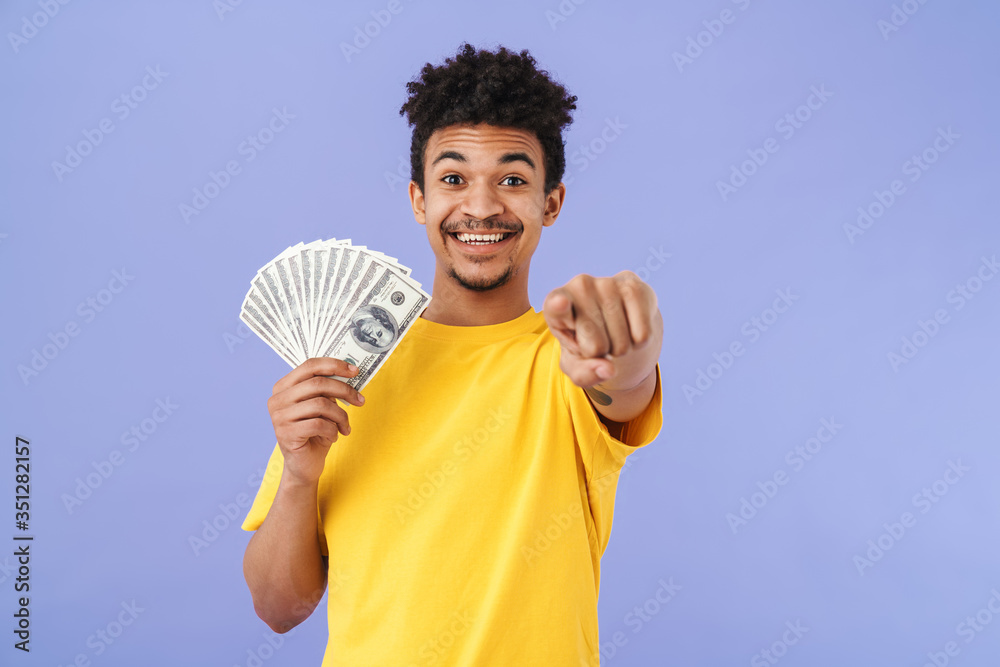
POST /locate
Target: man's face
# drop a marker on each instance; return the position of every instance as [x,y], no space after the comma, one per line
[482,179]
[376,333]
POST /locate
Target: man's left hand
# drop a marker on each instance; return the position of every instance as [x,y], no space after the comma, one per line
[610,330]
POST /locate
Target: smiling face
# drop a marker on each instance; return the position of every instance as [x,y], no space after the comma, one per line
[484,204]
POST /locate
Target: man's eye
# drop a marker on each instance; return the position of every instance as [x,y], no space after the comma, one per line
[457,179]
[520,180]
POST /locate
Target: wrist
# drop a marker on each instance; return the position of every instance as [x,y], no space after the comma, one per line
[293,482]
[623,383]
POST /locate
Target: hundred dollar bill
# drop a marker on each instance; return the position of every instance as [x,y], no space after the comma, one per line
[369,271]
[338,276]
[330,298]
[371,331]
[269,275]
[258,324]
[305,266]
[292,310]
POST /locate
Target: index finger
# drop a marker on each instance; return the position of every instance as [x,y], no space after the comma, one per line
[314,366]
[560,315]
[558,310]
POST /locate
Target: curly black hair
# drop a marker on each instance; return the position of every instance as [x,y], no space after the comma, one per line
[499,88]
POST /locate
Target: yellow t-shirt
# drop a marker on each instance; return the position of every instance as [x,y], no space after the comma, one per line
[466,514]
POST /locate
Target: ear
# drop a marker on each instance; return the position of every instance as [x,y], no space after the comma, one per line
[553,204]
[417,203]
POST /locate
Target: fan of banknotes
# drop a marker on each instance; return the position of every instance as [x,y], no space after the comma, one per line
[333,299]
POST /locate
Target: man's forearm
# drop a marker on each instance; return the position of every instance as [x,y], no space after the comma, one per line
[627,394]
[623,405]
[283,564]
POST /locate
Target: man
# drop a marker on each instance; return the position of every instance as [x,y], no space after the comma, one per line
[460,516]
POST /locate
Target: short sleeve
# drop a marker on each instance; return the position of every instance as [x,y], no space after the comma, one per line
[265,498]
[603,453]
[265,494]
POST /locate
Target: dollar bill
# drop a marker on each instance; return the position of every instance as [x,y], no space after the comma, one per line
[333,299]
[373,329]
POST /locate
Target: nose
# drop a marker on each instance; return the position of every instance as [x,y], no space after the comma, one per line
[481,201]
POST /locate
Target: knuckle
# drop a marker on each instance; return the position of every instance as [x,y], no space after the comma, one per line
[277,416]
[611,304]
[631,287]
[628,276]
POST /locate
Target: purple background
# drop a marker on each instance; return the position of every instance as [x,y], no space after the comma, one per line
[651,190]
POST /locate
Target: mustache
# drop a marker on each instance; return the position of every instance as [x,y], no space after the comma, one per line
[486,225]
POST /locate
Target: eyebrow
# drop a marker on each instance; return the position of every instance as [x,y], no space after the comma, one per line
[506,158]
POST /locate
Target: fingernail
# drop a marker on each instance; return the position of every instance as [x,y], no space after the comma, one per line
[352,367]
[604,372]
[361,399]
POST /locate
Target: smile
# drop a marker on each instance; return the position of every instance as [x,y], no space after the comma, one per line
[481,239]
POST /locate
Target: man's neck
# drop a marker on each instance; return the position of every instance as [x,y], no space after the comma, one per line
[455,305]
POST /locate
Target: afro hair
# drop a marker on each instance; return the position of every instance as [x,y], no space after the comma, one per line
[500,88]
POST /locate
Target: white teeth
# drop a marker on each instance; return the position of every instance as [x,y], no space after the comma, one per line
[481,239]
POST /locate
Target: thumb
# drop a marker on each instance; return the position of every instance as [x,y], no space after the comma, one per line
[586,372]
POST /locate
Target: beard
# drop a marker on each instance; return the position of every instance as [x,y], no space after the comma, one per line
[491,224]
[482,284]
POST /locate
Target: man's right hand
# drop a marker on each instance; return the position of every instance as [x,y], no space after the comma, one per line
[307,419]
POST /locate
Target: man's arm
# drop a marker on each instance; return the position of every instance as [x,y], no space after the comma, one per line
[611,333]
[283,563]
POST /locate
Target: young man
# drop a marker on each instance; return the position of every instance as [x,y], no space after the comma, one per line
[460,509]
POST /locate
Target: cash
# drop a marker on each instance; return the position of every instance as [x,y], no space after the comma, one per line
[333,299]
